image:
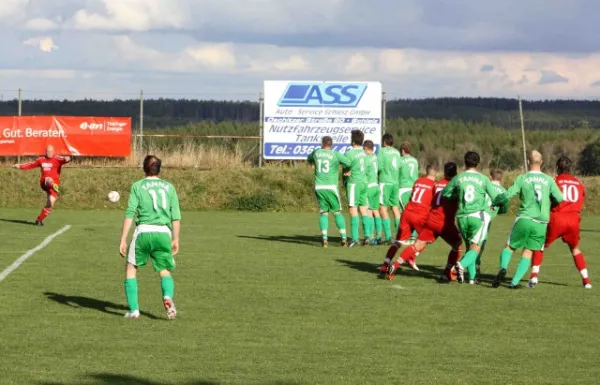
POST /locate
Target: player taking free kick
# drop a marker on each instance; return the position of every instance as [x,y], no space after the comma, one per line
[51,166]
[327,177]
[154,206]
[537,192]
[564,222]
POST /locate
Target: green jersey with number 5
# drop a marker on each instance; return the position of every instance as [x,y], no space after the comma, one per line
[327,166]
[358,165]
[537,191]
[388,162]
[153,201]
[471,190]
[409,171]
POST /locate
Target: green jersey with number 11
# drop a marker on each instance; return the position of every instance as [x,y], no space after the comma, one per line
[153,201]
[388,161]
[409,171]
[470,189]
[327,166]
[537,191]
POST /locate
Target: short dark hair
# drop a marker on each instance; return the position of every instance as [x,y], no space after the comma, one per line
[431,167]
[450,170]
[497,174]
[152,165]
[563,165]
[388,140]
[368,144]
[472,159]
[406,147]
[358,137]
[326,141]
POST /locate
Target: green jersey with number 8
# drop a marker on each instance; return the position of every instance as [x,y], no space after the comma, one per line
[327,166]
[153,201]
[537,191]
[471,190]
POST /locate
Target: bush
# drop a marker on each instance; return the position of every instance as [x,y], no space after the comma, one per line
[589,159]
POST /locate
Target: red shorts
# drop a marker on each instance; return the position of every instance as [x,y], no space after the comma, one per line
[433,230]
[48,188]
[410,221]
[565,226]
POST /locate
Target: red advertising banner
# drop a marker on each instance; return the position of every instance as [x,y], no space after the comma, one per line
[70,135]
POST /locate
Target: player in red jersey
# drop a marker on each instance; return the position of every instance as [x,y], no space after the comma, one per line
[440,223]
[51,166]
[564,222]
[413,217]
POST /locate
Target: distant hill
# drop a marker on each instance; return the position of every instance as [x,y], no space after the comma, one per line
[160,113]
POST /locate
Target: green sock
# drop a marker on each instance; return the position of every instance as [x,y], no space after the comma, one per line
[522,268]
[505,257]
[354,227]
[396,224]
[168,286]
[131,293]
[468,259]
[387,228]
[472,271]
[414,235]
[340,222]
[378,227]
[368,226]
[324,224]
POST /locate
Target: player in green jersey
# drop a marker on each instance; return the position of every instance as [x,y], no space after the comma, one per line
[356,185]
[496,176]
[388,163]
[538,192]
[473,215]
[408,174]
[375,225]
[154,206]
[327,176]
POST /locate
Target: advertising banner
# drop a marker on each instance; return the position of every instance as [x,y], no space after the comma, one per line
[298,114]
[70,135]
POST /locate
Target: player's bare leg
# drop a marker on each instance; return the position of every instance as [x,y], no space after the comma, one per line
[522,268]
[131,291]
[168,288]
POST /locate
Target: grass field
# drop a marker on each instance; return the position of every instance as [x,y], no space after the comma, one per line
[261,303]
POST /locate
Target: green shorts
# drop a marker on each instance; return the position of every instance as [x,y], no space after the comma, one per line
[328,199]
[474,227]
[154,243]
[404,194]
[373,196]
[527,234]
[388,195]
[357,194]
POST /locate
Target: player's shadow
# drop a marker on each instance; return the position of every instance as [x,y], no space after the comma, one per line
[589,231]
[296,239]
[365,267]
[17,221]
[112,379]
[92,303]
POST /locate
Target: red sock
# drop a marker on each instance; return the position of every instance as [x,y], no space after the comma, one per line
[536,262]
[45,212]
[581,266]
[409,254]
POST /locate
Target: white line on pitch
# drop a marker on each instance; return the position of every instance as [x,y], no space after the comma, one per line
[29,253]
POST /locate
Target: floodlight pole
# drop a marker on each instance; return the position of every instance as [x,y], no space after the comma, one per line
[20,112]
[141,141]
[523,134]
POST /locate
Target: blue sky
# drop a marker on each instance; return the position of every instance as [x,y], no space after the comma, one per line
[224,49]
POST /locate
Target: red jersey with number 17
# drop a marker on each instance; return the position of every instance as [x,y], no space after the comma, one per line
[421,197]
[442,210]
[50,167]
[573,194]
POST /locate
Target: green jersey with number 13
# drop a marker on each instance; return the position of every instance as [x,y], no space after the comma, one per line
[327,166]
[153,201]
[471,189]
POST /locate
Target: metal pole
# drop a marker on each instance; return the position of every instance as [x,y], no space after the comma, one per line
[141,141]
[20,111]
[523,134]
[261,108]
[383,113]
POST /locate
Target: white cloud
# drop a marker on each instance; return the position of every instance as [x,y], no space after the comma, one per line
[45,44]
[40,24]
[216,56]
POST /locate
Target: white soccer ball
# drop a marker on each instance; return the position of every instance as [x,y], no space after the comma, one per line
[114,196]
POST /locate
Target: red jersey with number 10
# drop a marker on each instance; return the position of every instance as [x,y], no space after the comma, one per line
[442,209]
[50,167]
[573,194]
[421,197]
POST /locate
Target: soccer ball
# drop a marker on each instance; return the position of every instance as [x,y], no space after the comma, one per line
[114,196]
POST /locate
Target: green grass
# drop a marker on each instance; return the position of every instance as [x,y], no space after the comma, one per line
[260,303]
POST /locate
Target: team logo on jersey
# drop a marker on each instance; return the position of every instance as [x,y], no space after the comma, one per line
[322,95]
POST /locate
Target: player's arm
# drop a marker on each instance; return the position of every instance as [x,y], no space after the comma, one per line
[344,161]
[175,221]
[556,196]
[502,200]
[311,157]
[28,166]
[130,212]
[65,159]
[449,192]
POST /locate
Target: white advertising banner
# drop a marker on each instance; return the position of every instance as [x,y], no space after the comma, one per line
[298,114]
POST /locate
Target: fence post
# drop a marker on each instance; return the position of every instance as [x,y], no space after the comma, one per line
[19,111]
[141,141]
[261,107]
[523,134]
